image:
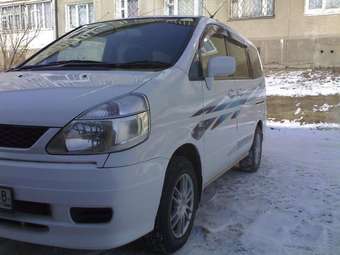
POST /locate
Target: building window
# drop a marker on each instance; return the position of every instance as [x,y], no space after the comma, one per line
[26,16]
[127,8]
[183,7]
[79,14]
[322,7]
[243,9]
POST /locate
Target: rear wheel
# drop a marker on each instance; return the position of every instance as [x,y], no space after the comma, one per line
[177,209]
[253,161]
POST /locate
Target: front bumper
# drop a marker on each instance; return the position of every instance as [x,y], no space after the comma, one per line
[133,192]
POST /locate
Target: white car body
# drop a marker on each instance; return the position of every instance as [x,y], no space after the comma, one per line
[130,181]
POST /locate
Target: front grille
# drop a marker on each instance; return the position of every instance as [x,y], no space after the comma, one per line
[33,208]
[20,137]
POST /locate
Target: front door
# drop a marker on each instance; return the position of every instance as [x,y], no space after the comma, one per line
[247,92]
[219,125]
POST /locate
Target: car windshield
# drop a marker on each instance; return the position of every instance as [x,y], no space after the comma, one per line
[136,43]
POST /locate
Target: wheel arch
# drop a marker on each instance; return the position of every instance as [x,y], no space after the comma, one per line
[260,125]
[191,152]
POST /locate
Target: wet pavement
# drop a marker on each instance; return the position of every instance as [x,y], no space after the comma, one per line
[306,110]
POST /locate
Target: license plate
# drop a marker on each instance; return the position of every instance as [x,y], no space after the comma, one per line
[6,198]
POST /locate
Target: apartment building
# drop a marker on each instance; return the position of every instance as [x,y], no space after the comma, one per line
[76,12]
[293,33]
[36,15]
[288,33]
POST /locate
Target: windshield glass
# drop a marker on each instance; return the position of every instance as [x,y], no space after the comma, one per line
[122,43]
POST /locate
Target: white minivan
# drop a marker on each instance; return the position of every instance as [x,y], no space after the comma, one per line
[112,132]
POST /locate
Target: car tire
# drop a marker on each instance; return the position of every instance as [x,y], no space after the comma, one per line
[169,236]
[252,162]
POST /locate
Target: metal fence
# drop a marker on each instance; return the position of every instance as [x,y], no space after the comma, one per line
[132,8]
[241,9]
[186,7]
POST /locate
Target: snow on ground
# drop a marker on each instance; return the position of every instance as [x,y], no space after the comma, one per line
[299,124]
[291,206]
[302,83]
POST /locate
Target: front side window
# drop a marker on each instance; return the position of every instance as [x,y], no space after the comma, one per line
[183,7]
[322,7]
[78,15]
[26,16]
[239,52]
[241,9]
[212,45]
[136,43]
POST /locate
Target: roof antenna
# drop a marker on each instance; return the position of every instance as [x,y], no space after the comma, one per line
[205,8]
[218,9]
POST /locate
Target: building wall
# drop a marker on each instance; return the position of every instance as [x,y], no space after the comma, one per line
[39,37]
[44,36]
[61,10]
[291,38]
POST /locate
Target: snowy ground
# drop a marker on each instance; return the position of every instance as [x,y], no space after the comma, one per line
[305,97]
[291,206]
[302,83]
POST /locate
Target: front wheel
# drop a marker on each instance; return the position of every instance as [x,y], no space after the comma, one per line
[177,209]
[253,161]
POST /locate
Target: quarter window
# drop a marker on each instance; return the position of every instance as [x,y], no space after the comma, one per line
[322,7]
[79,14]
[241,9]
[241,56]
[255,63]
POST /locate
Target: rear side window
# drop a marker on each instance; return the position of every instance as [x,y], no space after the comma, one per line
[212,45]
[241,56]
[255,63]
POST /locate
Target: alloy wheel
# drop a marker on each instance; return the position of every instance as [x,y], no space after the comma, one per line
[182,206]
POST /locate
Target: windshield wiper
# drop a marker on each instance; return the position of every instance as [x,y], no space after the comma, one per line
[96,64]
[57,64]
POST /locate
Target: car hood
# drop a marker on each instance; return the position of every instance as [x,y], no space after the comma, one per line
[53,98]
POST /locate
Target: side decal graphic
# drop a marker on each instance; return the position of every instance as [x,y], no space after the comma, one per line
[220,120]
[198,132]
[242,97]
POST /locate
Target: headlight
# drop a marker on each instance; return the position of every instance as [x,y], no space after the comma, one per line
[113,126]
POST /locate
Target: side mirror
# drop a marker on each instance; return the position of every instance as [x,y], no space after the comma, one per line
[221,66]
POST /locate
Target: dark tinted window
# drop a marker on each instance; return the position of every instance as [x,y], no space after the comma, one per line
[126,41]
[213,44]
[255,62]
[241,56]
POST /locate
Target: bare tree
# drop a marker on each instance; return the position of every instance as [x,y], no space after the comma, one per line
[16,35]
